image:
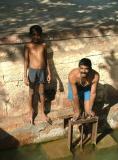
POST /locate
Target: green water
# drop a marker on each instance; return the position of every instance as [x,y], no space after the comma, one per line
[110,153]
[58,150]
[55,150]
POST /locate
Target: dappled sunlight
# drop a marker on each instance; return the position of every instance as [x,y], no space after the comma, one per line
[56,3]
[17,16]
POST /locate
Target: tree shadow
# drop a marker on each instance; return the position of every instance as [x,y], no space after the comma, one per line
[110,94]
[111,67]
[52,87]
[75,18]
[101,15]
[12,51]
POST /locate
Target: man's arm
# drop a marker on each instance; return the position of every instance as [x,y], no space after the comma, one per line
[49,73]
[93,91]
[47,65]
[26,65]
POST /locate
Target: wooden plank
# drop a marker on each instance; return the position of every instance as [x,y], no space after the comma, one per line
[66,121]
[82,121]
[81,135]
[70,135]
[94,132]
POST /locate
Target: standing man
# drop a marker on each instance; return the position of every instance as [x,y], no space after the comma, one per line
[36,67]
[82,87]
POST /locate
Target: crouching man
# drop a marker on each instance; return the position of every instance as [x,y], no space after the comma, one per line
[82,85]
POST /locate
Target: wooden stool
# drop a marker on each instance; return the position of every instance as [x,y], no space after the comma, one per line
[81,122]
[66,120]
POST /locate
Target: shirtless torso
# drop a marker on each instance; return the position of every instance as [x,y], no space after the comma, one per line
[75,77]
[36,55]
[35,58]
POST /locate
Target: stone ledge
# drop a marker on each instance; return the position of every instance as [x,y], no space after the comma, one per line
[106,142]
[15,132]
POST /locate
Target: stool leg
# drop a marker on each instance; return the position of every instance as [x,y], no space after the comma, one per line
[94,132]
[70,135]
[81,136]
[65,122]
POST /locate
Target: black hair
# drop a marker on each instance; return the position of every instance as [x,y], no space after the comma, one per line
[35,28]
[85,62]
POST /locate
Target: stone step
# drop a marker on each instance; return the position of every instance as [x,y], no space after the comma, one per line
[10,123]
[106,142]
[15,132]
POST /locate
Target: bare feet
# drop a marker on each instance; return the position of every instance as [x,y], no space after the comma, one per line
[44,117]
[91,114]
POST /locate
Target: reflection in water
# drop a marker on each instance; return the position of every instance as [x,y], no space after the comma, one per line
[102,154]
[32,152]
[55,150]
[90,153]
[58,150]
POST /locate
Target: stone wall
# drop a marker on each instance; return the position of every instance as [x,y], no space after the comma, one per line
[65,49]
[65,52]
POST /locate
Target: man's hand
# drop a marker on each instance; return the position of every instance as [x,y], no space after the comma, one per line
[91,113]
[26,81]
[48,78]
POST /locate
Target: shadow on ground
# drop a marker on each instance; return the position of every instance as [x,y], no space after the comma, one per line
[7,140]
[102,108]
[58,15]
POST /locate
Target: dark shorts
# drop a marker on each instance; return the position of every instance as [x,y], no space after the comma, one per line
[36,76]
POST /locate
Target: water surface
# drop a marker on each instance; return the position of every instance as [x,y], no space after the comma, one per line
[58,150]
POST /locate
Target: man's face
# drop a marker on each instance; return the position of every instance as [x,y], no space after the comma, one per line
[35,37]
[84,70]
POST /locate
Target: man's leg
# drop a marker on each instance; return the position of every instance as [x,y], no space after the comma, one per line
[42,100]
[70,98]
[31,93]
[88,114]
[32,77]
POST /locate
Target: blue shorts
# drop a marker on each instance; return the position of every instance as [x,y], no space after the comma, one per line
[83,92]
[36,76]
